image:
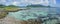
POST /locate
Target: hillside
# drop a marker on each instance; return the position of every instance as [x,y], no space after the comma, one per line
[37,5]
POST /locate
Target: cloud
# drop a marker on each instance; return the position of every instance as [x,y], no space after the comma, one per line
[2,1]
[25,2]
[15,3]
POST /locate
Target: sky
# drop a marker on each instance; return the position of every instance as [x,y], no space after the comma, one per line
[58,3]
[26,2]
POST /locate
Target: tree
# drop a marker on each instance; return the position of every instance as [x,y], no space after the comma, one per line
[13,6]
[2,6]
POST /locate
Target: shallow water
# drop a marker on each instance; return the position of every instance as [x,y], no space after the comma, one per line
[34,13]
[27,14]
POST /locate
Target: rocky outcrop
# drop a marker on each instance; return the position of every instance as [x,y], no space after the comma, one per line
[4,12]
[32,21]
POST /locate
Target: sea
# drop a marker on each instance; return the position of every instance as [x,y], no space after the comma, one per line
[51,15]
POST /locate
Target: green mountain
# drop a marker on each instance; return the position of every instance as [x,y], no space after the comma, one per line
[37,5]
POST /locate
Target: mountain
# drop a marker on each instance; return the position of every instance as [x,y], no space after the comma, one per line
[36,5]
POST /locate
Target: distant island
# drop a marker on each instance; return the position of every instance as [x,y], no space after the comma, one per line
[37,5]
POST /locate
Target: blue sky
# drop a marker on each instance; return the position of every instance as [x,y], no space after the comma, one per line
[58,3]
[24,2]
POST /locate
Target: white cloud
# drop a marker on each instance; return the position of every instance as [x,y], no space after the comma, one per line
[15,3]
[2,1]
[23,2]
[46,3]
[53,1]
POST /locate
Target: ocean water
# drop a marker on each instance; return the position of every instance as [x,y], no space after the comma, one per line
[34,13]
[27,14]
